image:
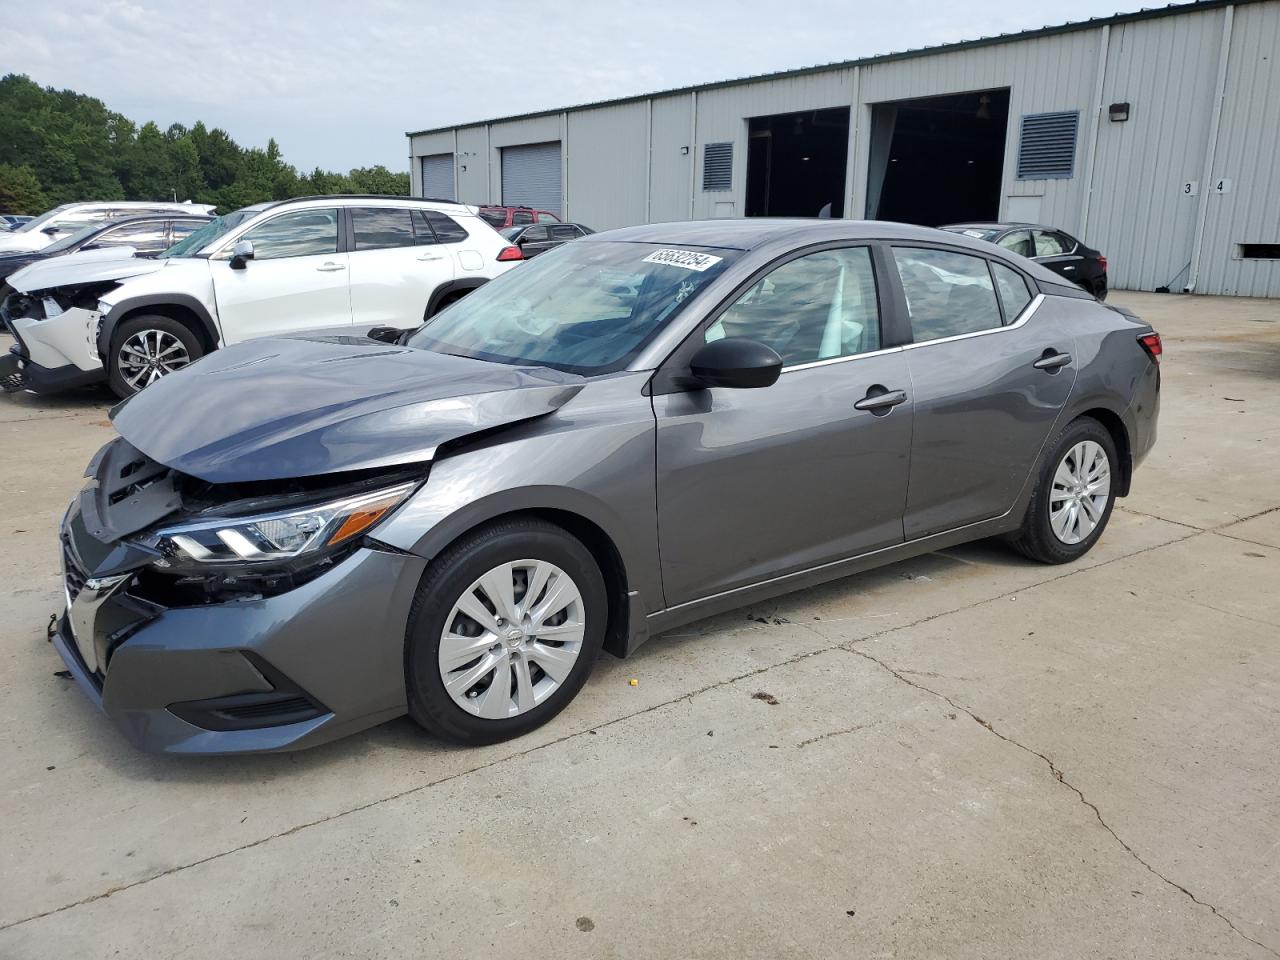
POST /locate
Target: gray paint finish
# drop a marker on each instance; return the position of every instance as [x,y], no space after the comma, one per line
[707,498]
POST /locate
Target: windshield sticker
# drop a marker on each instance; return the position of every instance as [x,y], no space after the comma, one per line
[687,259]
[974,233]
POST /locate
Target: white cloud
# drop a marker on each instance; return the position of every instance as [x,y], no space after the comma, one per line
[337,84]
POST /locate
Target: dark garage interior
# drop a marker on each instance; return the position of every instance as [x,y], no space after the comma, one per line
[796,164]
[939,159]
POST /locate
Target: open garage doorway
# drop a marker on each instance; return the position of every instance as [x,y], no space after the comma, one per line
[939,159]
[796,164]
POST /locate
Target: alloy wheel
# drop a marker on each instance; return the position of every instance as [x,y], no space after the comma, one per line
[150,354]
[1081,488]
[512,639]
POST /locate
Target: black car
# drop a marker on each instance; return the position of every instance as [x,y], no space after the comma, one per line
[149,235]
[1054,248]
[536,238]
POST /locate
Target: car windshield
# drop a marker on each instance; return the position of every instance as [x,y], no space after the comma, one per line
[41,220]
[207,234]
[586,307]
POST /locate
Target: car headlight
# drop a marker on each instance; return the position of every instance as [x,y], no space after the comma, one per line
[281,536]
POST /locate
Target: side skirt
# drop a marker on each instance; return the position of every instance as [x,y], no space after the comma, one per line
[672,617]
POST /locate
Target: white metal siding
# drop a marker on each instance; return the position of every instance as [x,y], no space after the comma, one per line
[531,176]
[1248,154]
[630,162]
[1138,216]
[437,176]
[606,162]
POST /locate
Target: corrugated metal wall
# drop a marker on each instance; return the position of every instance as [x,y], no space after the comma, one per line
[1248,154]
[610,150]
[1138,204]
[639,161]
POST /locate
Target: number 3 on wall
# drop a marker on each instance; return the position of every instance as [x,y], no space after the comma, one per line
[1190,188]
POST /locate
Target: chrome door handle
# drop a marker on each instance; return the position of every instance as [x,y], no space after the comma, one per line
[330,267]
[880,399]
[1052,361]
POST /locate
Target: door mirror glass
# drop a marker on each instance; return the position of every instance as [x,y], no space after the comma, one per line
[241,254]
[51,231]
[736,362]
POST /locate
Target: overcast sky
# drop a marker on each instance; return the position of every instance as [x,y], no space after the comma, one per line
[338,83]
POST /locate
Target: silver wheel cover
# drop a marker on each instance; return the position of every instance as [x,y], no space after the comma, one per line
[148,355]
[512,639]
[1081,488]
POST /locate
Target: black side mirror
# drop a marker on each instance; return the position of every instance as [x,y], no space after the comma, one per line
[384,334]
[736,362]
[51,231]
[241,254]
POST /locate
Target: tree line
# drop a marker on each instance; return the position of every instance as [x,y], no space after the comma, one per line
[59,146]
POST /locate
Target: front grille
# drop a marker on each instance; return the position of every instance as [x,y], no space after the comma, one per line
[73,576]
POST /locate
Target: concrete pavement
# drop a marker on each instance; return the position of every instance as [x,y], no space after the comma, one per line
[970,755]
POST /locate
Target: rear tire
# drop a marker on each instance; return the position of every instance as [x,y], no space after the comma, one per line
[518,662]
[147,347]
[1073,497]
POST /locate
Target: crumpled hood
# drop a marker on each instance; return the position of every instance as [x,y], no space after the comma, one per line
[85,266]
[281,408]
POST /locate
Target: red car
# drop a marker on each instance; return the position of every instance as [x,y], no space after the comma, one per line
[499,217]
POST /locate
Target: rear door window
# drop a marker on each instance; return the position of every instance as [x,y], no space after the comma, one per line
[146,238]
[948,293]
[520,217]
[544,217]
[1019,242]
[563,231]
[1049,244]
[381,228]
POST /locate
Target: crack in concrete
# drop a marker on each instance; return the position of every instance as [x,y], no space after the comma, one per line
[1061,778]
[826,648]
[1155,516]
[834,733]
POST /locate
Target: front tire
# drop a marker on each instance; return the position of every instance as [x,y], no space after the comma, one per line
[503,632]
[146,348]
[1074,495]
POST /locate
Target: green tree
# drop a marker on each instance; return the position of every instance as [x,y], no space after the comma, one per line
[20,191]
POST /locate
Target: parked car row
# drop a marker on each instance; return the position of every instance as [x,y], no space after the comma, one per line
[11,221]
[269,269]
[305,535]
[69,218]
[541,237]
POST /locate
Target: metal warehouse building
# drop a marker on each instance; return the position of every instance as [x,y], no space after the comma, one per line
[1154,136]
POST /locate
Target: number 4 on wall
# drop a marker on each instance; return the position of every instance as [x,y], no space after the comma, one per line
[1222,186]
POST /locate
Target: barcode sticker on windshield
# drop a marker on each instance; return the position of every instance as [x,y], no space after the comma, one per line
[688,259]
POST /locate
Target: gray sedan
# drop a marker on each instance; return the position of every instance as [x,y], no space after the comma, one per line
[297,538]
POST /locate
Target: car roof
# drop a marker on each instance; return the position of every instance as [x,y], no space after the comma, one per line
[156,215]
[1009,225]
[752,232]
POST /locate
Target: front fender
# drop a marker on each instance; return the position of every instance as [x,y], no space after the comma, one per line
[122,308]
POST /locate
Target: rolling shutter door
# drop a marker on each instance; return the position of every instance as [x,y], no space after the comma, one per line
[437,176]
[531,176]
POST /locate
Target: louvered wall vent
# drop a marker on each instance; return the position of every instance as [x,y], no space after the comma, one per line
[717,166]
[1047,150]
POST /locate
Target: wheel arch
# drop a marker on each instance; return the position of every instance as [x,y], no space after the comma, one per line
[450,290]
[1114,424]
[186,310]
[586,529]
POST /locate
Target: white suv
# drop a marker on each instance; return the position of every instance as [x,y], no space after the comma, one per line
[269,269]
[65,220]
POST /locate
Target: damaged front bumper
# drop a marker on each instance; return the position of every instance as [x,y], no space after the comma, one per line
[249,675]
[55,348]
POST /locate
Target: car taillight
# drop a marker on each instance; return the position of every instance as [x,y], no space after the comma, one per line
[1102,262]
[1151,343]
[507,254]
